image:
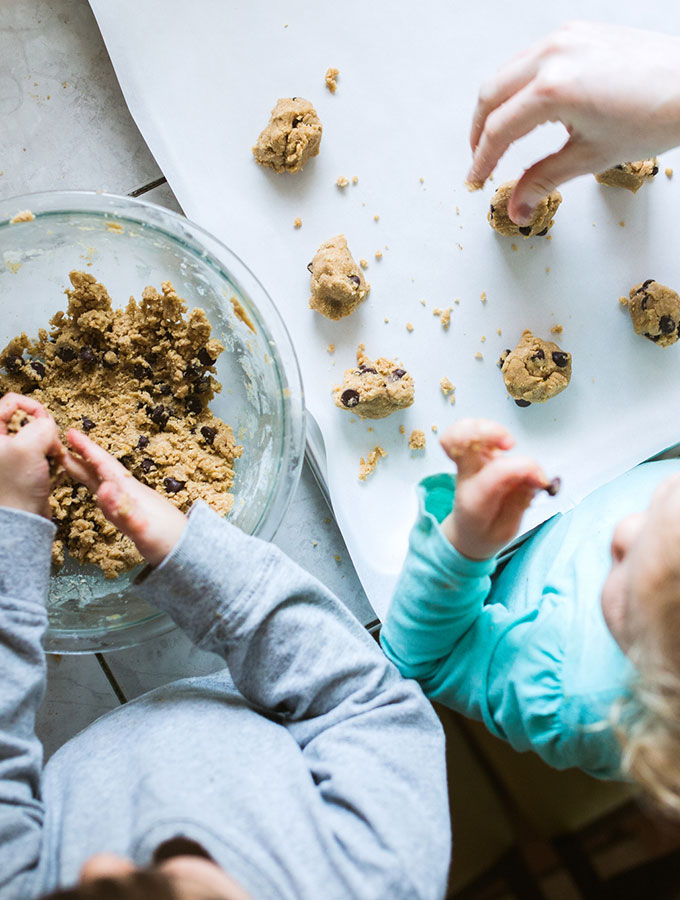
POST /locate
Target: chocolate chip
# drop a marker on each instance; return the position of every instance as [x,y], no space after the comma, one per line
[619,166]
[504,355]
[205,357]
[355,279]
[163,389]
[362,370]
[652,337]
[398,373]
[666,324]
[491,211]
[141,371]
[66,353]
[146,465]
[203,384]
[523,402]
[88,424]
[525,230]
[209,434]
[126,460]
[542,233]
[645,285]
[539,354]
[655,170]
[297,120]
[644,302]
[13,363]
[86,354]
[309,266]
[560,359]
[159,415]
[193,403]
[193,371]
[349,398]
[38,368]
[172,485]
[552,487]
[142,442]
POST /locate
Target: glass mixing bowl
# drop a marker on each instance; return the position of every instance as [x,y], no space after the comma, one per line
[128,244]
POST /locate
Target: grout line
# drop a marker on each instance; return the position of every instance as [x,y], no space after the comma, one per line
[111,678]
[157,182]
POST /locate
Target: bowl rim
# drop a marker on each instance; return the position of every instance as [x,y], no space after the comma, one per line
[214,252]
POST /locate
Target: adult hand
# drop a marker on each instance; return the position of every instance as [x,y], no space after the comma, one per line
[24,467]
[147,518]
[492,490]
[616,90]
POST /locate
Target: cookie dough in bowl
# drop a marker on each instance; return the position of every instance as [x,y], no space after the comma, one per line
[156,394]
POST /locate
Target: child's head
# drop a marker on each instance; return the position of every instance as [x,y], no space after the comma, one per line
[641,606]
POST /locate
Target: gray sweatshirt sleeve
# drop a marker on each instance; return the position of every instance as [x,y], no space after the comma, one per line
[372,743]
[25,549]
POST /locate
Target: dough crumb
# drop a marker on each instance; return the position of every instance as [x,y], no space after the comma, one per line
[456,300]
[623,301]
[499,332]
[330,348]
[482,296]
[445,318]
[378,254]
[114,227]
[514,248]
[446,386]
[367,466]
[409,326]
[473,185]
[337,558]
[548,237]
[547,270]
[402,429]
[341,181]
[434,428]
[457,210]
[315,543]
[376,218]
[668,172]
[622,224]
[331,78]
[417,440]
[297,223]
[25,215]
[422,302]
[386,320]
[482,338]
[556,329]
[363,263]
[479,355]
[421,180]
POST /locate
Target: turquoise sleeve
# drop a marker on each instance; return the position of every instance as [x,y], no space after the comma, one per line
[479,658]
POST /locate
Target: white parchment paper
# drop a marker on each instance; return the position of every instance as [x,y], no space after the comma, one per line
[200,80]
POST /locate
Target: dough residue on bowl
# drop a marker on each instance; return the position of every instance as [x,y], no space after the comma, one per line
[138,381]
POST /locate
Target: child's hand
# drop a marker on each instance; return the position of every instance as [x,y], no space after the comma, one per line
[24,467]
[492,490]
[583,76]
[152,522]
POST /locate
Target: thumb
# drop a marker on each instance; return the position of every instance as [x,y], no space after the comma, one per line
[546,175]
[42,435]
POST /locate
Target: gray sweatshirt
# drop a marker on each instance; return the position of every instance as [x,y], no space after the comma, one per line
[308,768]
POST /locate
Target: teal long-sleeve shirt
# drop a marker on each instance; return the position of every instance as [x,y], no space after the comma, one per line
[526,649]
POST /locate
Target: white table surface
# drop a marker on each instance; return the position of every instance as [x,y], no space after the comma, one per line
[66,126]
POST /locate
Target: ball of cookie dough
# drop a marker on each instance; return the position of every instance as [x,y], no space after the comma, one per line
[630,175]
[292,136]
[375,388]
[541,220]
[535,370]
[655,312]
[338,284]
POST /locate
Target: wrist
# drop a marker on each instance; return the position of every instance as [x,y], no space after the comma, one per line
[470,546]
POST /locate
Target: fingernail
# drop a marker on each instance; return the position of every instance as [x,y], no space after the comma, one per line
[524,214]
